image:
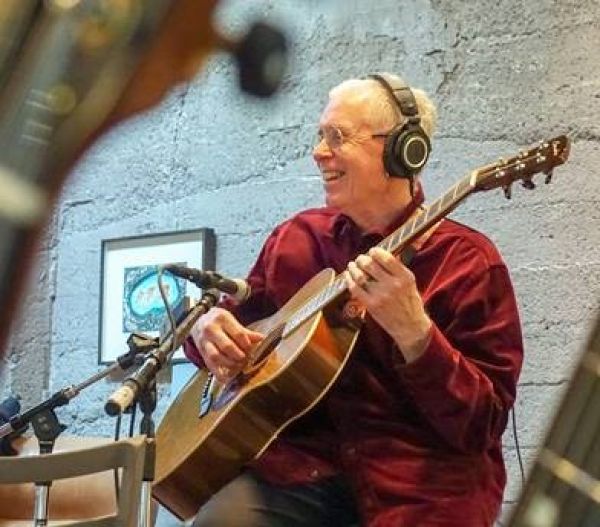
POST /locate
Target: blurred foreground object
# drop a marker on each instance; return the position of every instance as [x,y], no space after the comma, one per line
[69,70]
[563,489]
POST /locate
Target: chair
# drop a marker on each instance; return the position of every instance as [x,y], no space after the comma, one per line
[88,466]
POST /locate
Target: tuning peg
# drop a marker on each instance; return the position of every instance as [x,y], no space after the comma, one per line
[507,191]
[262,59]
[528,184]
[548,178]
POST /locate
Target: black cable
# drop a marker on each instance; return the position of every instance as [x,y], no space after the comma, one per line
[168,309]
[132,420]
[514,426]
[518,450]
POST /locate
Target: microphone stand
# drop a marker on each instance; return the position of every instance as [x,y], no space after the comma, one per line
[140,387]
[47,427]
[147,404]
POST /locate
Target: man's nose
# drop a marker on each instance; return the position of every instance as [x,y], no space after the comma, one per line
[321,150]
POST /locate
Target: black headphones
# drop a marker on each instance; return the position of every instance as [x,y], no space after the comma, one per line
[407,146]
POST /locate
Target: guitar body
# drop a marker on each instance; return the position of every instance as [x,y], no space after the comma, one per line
[198,456]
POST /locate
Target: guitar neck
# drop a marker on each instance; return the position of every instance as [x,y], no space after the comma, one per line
[393,243]
[420,223]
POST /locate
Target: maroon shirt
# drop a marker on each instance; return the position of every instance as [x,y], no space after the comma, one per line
[419,442]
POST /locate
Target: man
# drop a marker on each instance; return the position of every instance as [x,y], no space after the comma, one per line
[410,433]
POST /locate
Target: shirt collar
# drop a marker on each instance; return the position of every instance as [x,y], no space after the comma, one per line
[344,225]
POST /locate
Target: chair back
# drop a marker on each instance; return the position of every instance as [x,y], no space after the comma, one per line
[125,454]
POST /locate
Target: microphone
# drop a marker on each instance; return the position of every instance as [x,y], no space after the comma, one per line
[126,395]
[236,288]
[122,397]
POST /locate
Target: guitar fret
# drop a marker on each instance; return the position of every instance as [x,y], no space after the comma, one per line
[419,222]
[385,244]
[394,240]
[404,232]
[316,303]
[326,297]
[435,208]
[427,216]
[410,230]
[446,196]
[451,195]
[455,187]
[464,185]
[338,285]
[397,239]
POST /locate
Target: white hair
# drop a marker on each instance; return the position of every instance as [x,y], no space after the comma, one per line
[384,112]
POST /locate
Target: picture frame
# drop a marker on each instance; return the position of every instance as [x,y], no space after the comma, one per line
[130,300]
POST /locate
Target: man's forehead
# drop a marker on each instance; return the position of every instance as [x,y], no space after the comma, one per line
[344,112]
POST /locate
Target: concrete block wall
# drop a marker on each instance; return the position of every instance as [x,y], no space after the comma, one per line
[504,75]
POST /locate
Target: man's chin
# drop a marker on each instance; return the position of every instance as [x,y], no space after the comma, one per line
[331,201]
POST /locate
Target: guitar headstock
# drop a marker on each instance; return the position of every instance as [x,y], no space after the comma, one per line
[542,158]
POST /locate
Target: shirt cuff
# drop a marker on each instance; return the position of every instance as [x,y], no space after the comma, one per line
[191,352]
[432,365]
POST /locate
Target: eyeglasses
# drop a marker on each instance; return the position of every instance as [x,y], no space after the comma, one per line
[334,137]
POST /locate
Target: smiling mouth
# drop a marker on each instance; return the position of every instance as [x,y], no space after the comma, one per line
[332,176]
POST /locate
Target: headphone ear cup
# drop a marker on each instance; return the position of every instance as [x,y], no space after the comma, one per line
[392,164]
[406,150]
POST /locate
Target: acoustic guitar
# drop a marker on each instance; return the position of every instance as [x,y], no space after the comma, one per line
[211,431]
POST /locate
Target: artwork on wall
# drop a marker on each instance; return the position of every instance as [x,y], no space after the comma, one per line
[130,299]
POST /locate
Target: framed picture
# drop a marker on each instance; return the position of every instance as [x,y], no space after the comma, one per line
[130,299]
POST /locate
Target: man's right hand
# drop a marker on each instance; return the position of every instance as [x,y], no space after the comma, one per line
[223,343]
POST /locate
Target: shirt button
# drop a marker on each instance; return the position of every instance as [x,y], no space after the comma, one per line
[314,474]
[351,452]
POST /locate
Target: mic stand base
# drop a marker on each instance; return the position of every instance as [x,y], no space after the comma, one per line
[147,404]
[40,508]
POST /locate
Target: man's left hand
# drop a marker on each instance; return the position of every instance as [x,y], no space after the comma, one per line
[388,290]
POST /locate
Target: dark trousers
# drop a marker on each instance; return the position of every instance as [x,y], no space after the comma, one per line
[249,501]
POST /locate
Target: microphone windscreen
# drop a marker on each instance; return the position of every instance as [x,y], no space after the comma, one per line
[9,407]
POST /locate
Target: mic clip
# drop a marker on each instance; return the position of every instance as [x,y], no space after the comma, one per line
[139,344]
